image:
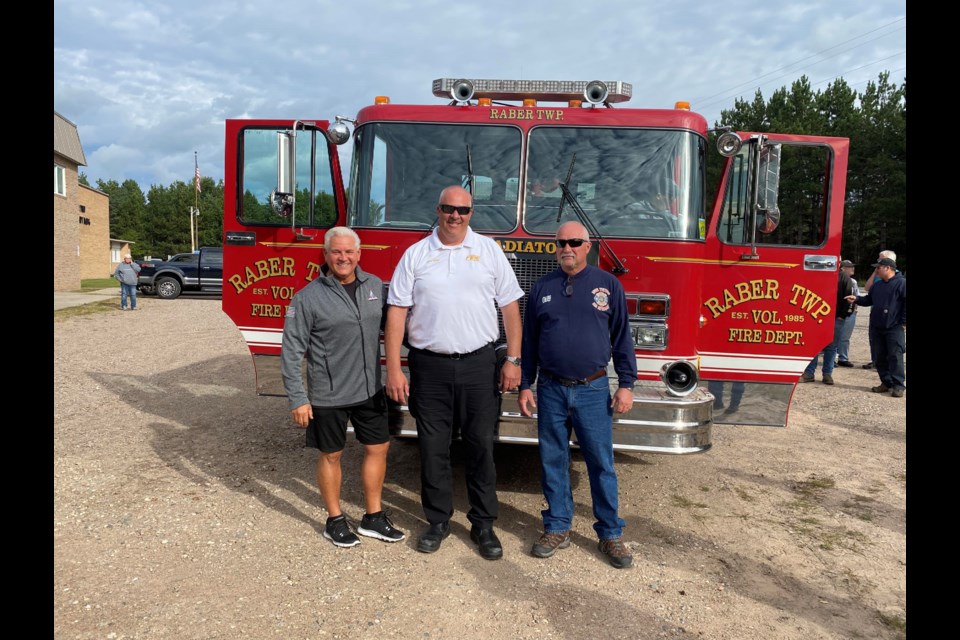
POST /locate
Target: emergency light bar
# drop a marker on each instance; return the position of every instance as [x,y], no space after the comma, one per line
[546,90]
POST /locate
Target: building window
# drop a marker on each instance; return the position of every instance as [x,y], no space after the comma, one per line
[59,180]
[84,220]
[83,209]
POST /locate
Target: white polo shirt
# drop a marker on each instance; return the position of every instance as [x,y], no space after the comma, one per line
[451,291]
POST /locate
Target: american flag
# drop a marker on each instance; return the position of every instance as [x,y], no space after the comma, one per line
[196,175]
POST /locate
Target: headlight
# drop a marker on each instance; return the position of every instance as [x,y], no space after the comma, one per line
[649,336]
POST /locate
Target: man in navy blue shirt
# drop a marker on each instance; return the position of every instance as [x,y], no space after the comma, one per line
[888,325]
[575,321]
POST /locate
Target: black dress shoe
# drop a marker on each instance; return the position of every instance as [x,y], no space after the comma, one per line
[488,543]
[844,363]
[430,539]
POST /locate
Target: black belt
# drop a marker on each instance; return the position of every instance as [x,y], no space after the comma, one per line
[570,382]
[454,356]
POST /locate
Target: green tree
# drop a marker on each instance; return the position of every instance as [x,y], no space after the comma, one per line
[127,210]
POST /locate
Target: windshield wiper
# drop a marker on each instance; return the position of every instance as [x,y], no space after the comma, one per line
[568,196]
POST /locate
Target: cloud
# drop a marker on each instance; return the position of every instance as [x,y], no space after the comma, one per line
[150,83]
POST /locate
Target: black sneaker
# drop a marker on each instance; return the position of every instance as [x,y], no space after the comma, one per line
[869,365]
[338,532]
[617,552]
[844,363]
[378,525]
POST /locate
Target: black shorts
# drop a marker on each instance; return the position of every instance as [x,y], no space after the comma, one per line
[328,429]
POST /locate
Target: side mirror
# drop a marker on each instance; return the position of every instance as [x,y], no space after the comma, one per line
[282,198]
[768,220]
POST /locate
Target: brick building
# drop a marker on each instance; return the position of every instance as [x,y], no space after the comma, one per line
[81,215]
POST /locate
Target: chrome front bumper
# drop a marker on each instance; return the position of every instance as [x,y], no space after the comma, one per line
[657,423]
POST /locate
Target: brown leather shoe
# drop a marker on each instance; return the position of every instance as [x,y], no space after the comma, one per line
[548,544]
[617,553]
[880,388]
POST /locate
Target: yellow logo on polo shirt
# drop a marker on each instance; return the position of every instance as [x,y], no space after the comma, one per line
[473,258]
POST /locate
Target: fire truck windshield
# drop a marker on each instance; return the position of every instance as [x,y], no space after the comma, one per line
[631,183]
[399,170]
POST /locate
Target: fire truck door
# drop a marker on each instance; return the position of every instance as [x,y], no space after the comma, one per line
[770,281]
[282,190]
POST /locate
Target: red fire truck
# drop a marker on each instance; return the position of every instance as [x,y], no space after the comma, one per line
[729,300]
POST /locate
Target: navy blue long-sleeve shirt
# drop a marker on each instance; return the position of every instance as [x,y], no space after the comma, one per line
[575,336]
[887,302]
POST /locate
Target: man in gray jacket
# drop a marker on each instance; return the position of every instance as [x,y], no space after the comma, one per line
[335,322]
[128,273]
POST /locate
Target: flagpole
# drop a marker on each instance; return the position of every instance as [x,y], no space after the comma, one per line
[195,211]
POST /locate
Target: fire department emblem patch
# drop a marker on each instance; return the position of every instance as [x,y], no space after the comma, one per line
[601,299]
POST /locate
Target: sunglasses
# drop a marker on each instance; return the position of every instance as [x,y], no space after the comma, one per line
[573,242]
[449,209]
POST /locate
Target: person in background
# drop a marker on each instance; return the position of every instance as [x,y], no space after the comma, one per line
[449,286]
[127,273]
[843,344]
[335,322]
[576,320]
[888,325]
[871,280]
[841,311]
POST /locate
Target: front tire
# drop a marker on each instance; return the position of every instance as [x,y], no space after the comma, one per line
[168,288]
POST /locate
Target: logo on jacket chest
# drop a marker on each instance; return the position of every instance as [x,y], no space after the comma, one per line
[601,299]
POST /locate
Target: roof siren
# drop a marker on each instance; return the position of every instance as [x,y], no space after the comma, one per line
[596,92]
[462,91]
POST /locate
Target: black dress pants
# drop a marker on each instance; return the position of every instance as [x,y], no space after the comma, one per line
[445,394]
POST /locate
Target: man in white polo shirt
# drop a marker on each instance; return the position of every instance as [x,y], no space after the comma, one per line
[450,284]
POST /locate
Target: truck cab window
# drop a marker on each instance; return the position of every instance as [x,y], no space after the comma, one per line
[790,208]
[314,200]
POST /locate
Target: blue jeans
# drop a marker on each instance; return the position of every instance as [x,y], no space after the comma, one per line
[587,409]
[843,343]
[890,343]
[128,291]
[829,352]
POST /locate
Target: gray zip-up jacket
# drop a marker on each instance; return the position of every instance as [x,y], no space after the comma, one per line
[127,273]
[340,339]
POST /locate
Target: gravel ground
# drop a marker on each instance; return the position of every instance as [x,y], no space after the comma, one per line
[186,507]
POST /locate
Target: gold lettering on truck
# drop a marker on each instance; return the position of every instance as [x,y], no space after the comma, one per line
[526,114]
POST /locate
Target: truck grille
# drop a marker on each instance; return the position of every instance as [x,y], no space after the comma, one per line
[528,268]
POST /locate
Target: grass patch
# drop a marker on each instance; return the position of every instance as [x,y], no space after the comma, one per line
[680,501]
[813,486]
[743,495]
[100,306]
[92,284]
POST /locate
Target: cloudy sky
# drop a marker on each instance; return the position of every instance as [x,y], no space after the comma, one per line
[150,83]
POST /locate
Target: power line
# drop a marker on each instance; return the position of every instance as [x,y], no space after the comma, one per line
[709,99]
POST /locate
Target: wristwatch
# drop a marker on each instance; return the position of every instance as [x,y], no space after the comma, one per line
[514,360]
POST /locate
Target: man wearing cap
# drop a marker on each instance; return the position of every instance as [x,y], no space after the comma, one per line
[128,272]
[444,294]
[843,342]
[845,288]
[872,279]
[888,325]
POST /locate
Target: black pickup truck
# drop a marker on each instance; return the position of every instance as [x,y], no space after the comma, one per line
[200,271]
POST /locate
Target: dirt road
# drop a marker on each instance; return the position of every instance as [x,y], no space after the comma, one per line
[186,507]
